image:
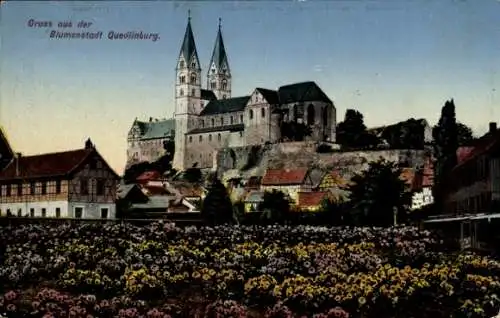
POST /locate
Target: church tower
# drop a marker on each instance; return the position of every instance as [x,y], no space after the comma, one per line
[219,75]
[187,95]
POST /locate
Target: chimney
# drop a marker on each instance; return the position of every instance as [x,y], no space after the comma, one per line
[493,127]
[18,157]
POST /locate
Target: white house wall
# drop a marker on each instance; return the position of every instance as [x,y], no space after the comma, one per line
[92,210]
[25,208]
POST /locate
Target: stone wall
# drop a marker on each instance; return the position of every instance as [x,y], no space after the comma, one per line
[233,162]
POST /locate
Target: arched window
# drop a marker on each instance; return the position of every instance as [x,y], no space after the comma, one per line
[222,121]
[202,123]
[231,120]
[241,119]
[181,92]
[224,85]
[182,79]
[201,138]
[181,64]
[218,137]
[190,138]
[250,114]
[213,122]
[193,78]
[213,85]
[263,112]
[193,92]
[210,137]
[193,65]
[310,115]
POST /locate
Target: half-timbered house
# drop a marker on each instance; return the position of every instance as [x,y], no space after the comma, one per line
[71,184]
[288,181]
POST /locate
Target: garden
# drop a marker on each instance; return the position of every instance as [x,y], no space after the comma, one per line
[159,270]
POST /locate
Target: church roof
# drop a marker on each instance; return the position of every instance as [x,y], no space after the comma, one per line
[228,105]
[302,92]
[188,48]
[219,56]
[156,129]
[207,95]
[270,95]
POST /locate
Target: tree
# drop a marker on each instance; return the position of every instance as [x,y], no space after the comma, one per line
[464,134]
[375,193]
[217,207]
[135,171]
[275,205]
[332,211]
[295,131]
[445,135]
[351,131]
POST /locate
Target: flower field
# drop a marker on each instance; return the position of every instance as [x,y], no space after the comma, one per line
[95,270]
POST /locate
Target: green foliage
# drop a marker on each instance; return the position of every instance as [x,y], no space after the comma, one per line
[295,131]
[275,205]
[162,165]
[134,171]
[376,192]
[352,134]
[464,134]
[405,135]
[445,135]
[193,175]
[217,207]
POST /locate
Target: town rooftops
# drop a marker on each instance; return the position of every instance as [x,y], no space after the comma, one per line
[311,199]
[481,146]
[284,177]
[57,164]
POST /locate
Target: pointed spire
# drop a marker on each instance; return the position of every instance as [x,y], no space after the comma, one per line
[219,56]
[188,45]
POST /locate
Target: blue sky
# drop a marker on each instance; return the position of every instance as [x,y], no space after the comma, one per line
[389,59]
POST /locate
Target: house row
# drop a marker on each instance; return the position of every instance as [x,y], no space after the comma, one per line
[69,184]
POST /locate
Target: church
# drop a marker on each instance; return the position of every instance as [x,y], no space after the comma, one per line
[209,118]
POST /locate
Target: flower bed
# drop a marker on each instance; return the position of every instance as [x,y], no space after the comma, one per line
[99,270]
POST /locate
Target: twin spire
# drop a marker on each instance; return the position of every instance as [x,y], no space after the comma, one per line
[188,48]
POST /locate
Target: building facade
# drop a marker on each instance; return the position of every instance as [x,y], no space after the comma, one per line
[70,184]
[209,119]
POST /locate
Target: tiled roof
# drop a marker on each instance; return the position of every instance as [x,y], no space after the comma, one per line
[219,56]
[310,199]
[207,95]
[156,128]
[149,176]
[231,128]
[483,145]
[188,48]
[46,165]
[271,96]
[284,177]
[302,92]
[227,105]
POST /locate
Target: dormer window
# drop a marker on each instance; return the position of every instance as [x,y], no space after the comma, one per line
[193,65]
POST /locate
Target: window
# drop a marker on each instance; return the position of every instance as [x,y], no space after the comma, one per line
[190,138]
[224,96]
[104,213]
[182,79]
[20,189]
[32,212]
[19,212]
[58,212]
[181,92]
[213,85]
[231,120]
[241,119]
[222,121]
[193,92]
[224,86]
[84,186]
[193,65]
[218,137]
[213,122]
[310,115]
[200,138]
[8,212]
[241,134]
[58,186]
[32,188]
[44,187]
[44,213]
[100,187]
[193,78]
[202,123]
[250,113]
[8,190]
[263,112]
[181,64]
[78,213]
[209,137]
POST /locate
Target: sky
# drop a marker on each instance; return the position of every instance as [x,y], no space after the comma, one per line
[391,60]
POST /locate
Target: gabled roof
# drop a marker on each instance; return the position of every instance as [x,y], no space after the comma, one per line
[310,199]
[219,56]
[56,164]
[207,95]
[284,177]
[270,96]
[222,106]
[188,48]
[155,129]
[302,92]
